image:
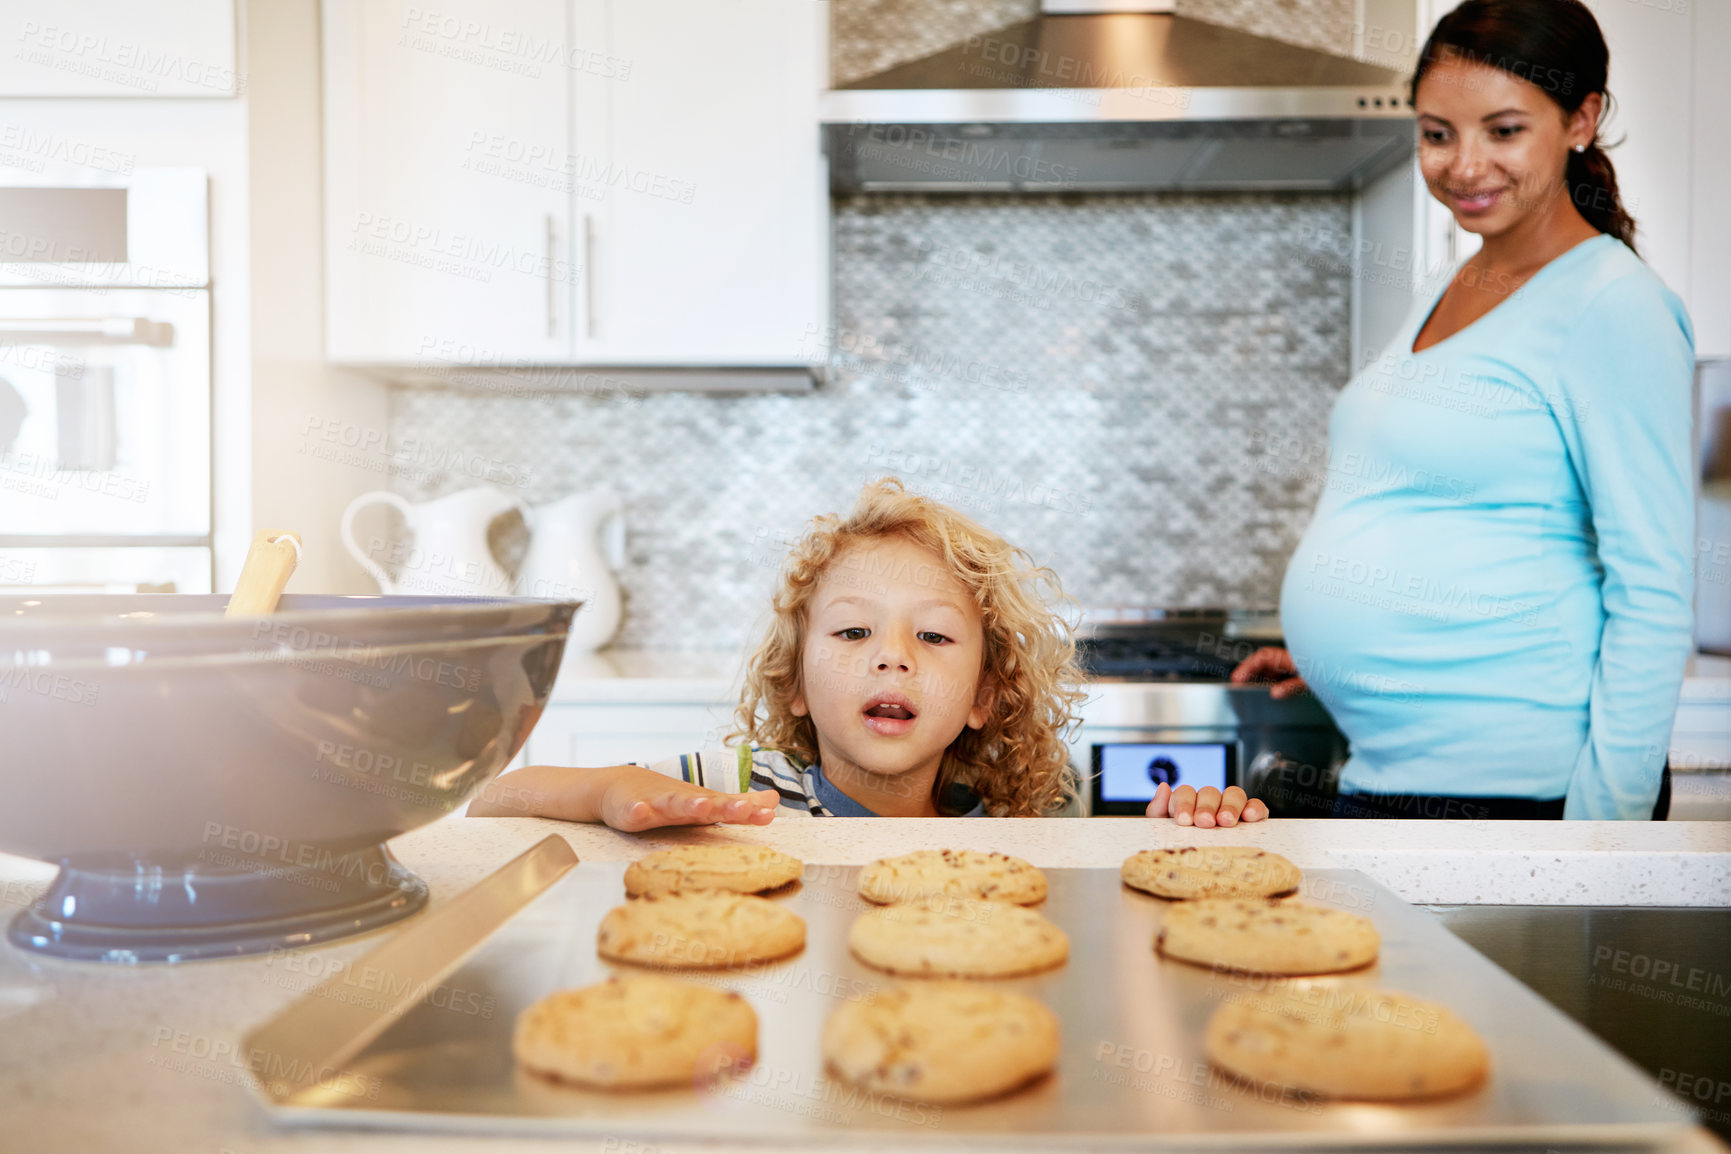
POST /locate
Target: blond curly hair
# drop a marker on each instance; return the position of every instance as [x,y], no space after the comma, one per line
[1017,761]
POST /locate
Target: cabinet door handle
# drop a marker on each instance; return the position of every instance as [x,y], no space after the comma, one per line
[588,275]
[552,294]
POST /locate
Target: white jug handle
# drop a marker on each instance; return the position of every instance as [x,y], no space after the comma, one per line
[614,536]
[372,567]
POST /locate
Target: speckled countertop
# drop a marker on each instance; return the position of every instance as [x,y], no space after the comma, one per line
[1429,862]
[99,1059]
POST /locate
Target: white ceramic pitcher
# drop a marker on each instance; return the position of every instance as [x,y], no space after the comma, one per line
[569,561]
[448,553]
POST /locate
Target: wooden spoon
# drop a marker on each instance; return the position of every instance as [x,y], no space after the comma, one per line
[269,564]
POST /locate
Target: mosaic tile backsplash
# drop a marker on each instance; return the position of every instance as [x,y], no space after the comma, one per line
[1098,378]
[1322,24]
[869,36]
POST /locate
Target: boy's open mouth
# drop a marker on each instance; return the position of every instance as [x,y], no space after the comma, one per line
[889,713]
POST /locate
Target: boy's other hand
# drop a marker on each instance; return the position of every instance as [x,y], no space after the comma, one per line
[646,800]
[1207,809]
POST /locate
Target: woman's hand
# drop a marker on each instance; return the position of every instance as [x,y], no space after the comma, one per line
[1271,663]
[646,800]
[1207,809]
[626,797]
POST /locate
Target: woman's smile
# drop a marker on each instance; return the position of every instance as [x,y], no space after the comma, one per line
[1473,202]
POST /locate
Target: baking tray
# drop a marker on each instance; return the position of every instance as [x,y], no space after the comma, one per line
[1131,1071]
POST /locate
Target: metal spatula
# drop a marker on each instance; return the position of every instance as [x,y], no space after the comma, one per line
[297,1056]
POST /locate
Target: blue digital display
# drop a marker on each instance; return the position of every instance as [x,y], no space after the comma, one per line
[1132,772]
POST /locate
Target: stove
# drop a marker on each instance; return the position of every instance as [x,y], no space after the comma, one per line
[1161,709]
[1172,644]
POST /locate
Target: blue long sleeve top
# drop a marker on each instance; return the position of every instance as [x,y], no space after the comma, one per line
[1493,596]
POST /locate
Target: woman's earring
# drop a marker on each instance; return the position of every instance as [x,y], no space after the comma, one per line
[1580,148]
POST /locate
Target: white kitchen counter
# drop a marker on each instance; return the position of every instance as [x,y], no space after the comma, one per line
[1701,740]
[1707,678]
[666,675]
[96,1058]
[647,676]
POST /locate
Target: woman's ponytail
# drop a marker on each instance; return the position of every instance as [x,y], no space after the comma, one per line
[1592,185]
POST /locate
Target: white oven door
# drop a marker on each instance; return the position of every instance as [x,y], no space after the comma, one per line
[105,417]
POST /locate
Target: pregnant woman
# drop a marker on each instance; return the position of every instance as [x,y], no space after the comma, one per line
[1496,609]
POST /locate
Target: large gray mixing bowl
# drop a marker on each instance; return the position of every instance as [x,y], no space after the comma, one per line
[212,787]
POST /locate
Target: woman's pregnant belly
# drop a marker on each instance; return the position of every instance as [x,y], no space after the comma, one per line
[1445,639]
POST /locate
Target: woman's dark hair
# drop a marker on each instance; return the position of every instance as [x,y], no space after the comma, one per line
[1557,45]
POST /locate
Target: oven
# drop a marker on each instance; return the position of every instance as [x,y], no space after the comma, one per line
[1160,708]
[105,383]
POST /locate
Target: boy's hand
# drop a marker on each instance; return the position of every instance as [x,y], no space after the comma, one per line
[626,797]
[1207,809]
[644,799]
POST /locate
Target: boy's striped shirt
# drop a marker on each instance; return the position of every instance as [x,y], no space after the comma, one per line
[747,767]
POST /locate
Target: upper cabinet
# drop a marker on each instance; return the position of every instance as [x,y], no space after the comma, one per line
[143,48]
[709,244]
[1709,290]
[447,222]
[596,182]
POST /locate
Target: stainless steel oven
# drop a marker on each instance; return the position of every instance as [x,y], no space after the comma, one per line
[1160,709]
[105,382]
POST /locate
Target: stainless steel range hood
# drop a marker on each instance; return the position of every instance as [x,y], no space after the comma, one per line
[1118,101]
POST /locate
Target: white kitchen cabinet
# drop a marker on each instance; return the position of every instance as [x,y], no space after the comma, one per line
[710,245]
[447,208]
[580,182]
[118,48]
[1709,289]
